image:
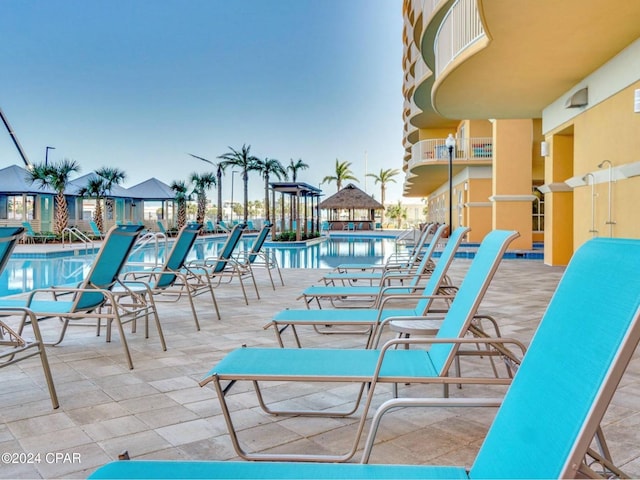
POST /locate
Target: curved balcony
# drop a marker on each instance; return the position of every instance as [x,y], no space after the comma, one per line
[477,149]
[429,163]
[460,28]
[531,54]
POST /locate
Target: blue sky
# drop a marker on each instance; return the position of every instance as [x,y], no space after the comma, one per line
[137,84]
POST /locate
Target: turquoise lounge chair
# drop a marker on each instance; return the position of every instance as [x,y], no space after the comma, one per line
[222,227]
[551,412]
[95,231]
[352,277]
[211,228]
[371,296]
[257,257]
[368,367]
[164,231]
[33,237]
[438,287]
[397,260]
[174,279]
[13,346]
[93,297]
[224,267]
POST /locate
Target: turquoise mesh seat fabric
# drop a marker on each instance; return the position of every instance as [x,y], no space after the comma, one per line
[14,347]
[220,263]
[108,264]
[272,470]
[178,255]
[567,369]
[373,316]
[408,259]
[174,279]
[413,273]
[423,266]
[469,295]
[553,408]
[258,244]
[94,292]
[366,367]
[9,236]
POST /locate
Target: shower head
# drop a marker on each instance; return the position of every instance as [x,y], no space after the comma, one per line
[604,162]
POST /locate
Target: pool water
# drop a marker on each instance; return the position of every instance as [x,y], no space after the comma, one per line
[25,274]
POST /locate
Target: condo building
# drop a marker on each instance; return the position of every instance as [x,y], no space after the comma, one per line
[524,115]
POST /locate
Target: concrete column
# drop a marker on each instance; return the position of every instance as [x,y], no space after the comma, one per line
[512,179]
[558,201]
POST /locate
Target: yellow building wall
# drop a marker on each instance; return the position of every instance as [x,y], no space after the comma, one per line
[479,128]
[537,167]
[431,133]
[608,131]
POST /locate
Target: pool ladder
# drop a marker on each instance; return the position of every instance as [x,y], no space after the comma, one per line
[72,233]
[154,238]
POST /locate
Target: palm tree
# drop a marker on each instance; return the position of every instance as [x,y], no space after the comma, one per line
[202,183]
[293,167]
[111,176]
[181,197]
[267,167]
[220,166]
[56,176]
[99,187]
[242,159]
[397,212]
[384,177]
[95,189]
[343,172]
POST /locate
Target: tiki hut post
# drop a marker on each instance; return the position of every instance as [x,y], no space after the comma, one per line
[282,211]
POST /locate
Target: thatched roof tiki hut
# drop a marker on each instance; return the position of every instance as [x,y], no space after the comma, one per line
[351,205]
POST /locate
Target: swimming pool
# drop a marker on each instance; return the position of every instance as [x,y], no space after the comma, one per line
[27,272]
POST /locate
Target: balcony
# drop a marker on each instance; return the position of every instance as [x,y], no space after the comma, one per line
[429,161]
[460,28]
[531,57]
[471,150]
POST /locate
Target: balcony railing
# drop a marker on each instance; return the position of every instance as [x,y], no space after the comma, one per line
[467,149]
[459,29]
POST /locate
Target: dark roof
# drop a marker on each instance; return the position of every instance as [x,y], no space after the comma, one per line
[303,189]
[351,197]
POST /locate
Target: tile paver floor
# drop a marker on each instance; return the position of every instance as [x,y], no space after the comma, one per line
[158,411]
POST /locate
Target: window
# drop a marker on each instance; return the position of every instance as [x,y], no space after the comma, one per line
[538,211]
[20,207]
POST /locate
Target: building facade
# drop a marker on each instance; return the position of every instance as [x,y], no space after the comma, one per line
[542,100]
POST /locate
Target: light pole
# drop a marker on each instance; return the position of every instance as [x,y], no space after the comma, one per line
[233,181]
[46,155]
[450,142]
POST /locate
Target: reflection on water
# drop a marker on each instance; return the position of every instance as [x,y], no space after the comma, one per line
[22,275]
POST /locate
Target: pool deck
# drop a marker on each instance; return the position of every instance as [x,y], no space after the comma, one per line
[158,411]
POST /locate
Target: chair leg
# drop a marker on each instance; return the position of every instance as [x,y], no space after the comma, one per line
[255,285]
[123,340]
[47,370]
[244,292]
